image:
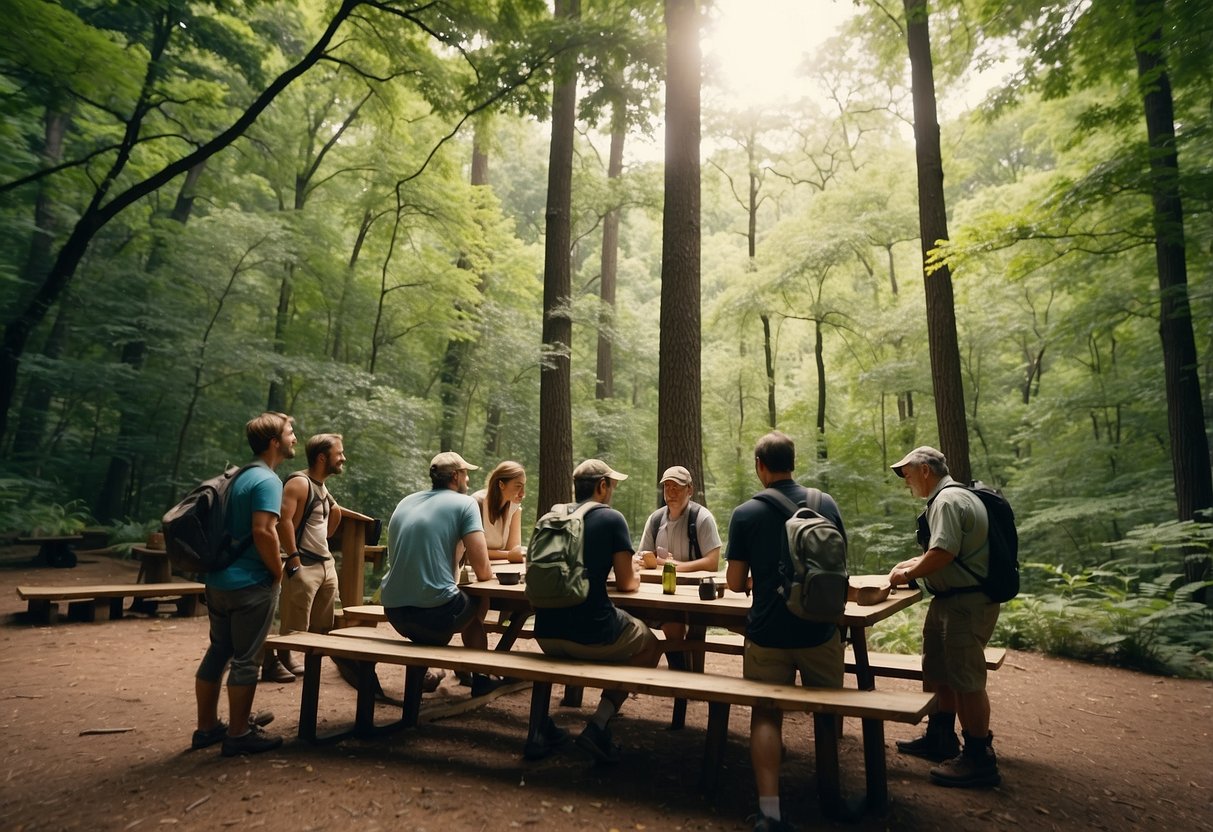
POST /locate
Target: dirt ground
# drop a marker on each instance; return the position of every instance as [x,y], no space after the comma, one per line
[1079,747]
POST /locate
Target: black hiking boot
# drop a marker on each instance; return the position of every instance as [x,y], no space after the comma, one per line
[975,767]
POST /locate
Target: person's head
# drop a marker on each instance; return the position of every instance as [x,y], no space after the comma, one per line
[595,480]
[325,454]
[677,487]
[776,453]
[450,470]
[922,468]
[507,484]
[271,432]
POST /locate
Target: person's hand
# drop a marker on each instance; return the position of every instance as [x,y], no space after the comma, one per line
[899,575]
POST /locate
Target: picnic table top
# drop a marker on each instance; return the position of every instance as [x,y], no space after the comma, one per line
[55,538]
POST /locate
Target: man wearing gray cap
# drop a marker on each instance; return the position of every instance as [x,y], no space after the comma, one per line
[420,593]
[595,629]
[683,531]
[954,526]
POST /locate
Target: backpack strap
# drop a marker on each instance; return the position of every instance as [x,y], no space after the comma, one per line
[650,530]
[313,497]
[779,501]
[693,530]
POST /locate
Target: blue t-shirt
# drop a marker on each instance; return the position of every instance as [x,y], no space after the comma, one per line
[594,620]
[257,489]
[756,535]
[422,535]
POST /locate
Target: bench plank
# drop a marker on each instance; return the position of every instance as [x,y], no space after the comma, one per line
[85,601]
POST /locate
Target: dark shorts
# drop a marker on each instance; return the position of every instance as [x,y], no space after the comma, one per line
[433,625]
[634,637]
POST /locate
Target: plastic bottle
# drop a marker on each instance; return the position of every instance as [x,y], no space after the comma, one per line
[669,578]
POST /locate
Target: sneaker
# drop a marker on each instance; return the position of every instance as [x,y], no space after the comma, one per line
[762,823]
[484,685]
[433,678]
[273,671]
[936,746]
[205,739]
[254,742]
[968,771]
[550,737]
[597,741]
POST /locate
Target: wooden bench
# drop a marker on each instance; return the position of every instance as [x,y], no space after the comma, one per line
[366,647]
[55,550]
[368,615]
[85,602]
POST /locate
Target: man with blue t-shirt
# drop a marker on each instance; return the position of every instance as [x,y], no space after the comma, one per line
[777,643]
[240,599]
[420,592]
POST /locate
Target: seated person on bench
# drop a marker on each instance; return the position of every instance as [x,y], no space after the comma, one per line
[420,593]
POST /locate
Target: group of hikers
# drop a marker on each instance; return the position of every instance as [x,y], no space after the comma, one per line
[431,533]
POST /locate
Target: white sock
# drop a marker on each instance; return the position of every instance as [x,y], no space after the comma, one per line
[769,806]
[606,710]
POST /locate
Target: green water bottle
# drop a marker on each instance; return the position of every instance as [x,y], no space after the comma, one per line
[669,578]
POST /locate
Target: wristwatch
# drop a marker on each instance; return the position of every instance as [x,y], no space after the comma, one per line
[291,570]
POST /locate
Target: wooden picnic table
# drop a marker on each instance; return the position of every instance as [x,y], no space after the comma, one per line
[55,550]
[350,579]
[653,576]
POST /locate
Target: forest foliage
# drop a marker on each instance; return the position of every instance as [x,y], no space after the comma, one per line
[330,257]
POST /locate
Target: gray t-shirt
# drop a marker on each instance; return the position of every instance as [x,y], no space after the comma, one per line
[959,524]
[672,533]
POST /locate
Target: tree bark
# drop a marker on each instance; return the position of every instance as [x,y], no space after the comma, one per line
[604,387]
[1185,410]
[768,349]
[555,396]
[679,409]
[932,217]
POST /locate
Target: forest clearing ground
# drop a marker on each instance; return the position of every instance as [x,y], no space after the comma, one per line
[1079,747]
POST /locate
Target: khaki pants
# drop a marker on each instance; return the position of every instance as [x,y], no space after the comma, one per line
[307,599]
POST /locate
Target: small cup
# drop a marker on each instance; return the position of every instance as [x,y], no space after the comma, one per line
[508,578]
[707,589]
[719,590]
[649,559]
[155,540]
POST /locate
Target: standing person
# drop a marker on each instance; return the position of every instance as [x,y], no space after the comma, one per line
[777,643]
[668,529]
[240,599]
[959,622]
[595,629]
[310,516]
[420,592]
[501,511]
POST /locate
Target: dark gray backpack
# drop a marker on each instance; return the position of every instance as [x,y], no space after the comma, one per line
[814,558]
[195,530]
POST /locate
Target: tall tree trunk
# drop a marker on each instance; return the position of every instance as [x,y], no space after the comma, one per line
[604,387]
[555,397]
[933,222]
[275,400]
[819,360]
[768,349]
[339,339]
[679,409]
[1185,411]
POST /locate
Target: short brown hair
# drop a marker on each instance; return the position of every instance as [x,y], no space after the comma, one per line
[263,429]
[320,444]
[776,451]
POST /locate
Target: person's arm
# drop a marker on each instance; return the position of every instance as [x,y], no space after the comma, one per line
[265,539]
[294,499]
[928,563]
[709,562]
[476,552]
[334,517]
[513,541]
[737,576]
[626,577]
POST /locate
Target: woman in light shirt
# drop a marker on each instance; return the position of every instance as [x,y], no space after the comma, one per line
[501,511]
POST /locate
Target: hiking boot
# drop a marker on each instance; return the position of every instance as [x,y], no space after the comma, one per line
[205,739]
[766,824]
[287,659]
[975,767]
[254,742]
[937,744]
[273,671]
[483,685]
[551,736]
[597,741]
[464,677]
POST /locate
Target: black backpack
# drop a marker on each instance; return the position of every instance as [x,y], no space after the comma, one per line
[814,558]
[195,530]
[692,528]
[1002,582]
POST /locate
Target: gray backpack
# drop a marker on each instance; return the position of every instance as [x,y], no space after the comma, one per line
[814,558]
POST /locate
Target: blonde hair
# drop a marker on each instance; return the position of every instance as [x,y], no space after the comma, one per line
[504,472]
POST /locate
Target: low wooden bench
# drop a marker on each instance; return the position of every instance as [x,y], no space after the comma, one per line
[368,615]
[85,602]
[366,647]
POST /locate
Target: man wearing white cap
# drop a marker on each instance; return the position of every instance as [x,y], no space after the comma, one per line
[420,593]
[682,531]
[595,629]
[959,623]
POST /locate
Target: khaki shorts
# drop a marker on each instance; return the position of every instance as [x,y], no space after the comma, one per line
[820,666]
[954,639]
[634,639]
